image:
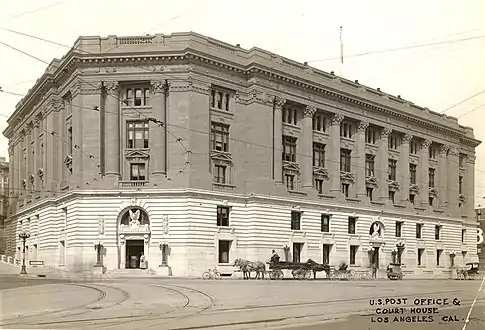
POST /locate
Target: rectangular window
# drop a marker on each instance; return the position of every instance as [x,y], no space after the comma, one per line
[325,223]
[398,229]
[439,253]
[289,149]
[460,185]
[295,220]
[137,172]
[463,233]
[437,232]
[371,136]
[413,147]
[346,130]
[68,104]
[222,216]
[297,247]
[353,254]
[369,165]
[351,225]
[392,194]
[461,160]
[419,230]
[319,123]
[326,254]
[224,248]
[431,177]
[420,257]
[412,173]
[220,174]
[393,143]
[290,181]
[136,97]
[290,115]
[392,169]
[411,198]
[433,152]
[69,140]
[219,100]
[319,186]
[318,155]
[219,137]
[345,189]
[137,132]
[345,160]
[369,192]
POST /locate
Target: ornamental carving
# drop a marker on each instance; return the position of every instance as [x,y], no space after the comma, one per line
[414,188]
[363,126]
[320,173]
[386,132]
[470,159]
[143,154]
[337,119]
[309,111]
[158,86]
[407,138]
[371,182]
[375,230]
[165,224]
[222,157]
[24,183]
[426,143]
[279,102]
[291,167]
[68,160]
[433,192]
[112,86]
[444,150]
[101,226]
[454,151]
[461,198]
[347,177]
[135,224]
[394,185]
[31,178]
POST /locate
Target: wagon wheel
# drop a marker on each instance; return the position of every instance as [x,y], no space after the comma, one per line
[279,274]
[309,274]
[294,272]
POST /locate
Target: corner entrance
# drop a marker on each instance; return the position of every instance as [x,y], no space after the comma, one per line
[374,256]
[134,249]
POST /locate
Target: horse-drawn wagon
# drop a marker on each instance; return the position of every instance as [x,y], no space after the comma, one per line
[299,270]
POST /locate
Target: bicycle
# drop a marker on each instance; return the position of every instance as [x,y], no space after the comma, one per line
[211,274]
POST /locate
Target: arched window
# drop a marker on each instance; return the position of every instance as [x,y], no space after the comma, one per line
[135,214]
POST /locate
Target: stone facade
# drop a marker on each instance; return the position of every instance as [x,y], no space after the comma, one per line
[480,211]
[226,152]
[4,200]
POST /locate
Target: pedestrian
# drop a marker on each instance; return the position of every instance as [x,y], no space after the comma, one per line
[374,270]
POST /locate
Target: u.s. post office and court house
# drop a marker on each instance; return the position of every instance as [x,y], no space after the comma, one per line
[256,152]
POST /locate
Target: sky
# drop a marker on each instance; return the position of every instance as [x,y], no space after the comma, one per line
[438,76]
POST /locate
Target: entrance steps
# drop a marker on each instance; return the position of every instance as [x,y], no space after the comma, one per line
[120,273]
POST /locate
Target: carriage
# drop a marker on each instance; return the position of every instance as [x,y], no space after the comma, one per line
[299,270]
[472,271]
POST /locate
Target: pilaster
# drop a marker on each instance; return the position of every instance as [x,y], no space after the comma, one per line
[158,135]
[424,170]
[452,174]
[38,155]
[278,140]
[360,153]
[442,177]
[469,187]
[52,170]
[403,168]
[112,135]
[334,150]
[384,164]
[306,141]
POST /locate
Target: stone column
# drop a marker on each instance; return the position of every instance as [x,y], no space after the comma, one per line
[11,171]
[442,178]
[403,168]
[424,170]
[384,164]
[334,151]
[112,132]
[469,186]
[360,156]
[306,141]
[278,140]
[122,253]
[14,184]
[157,133]
[453,180]
[20,163]
[37,160]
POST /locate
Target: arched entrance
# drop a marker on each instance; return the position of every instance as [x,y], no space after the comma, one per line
[376,240]
[133,237]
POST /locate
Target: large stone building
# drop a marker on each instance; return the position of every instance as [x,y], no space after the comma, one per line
[245,151]
[4,199]
[481,243]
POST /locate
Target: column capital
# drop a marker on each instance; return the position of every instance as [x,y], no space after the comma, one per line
[453,151]
[407,138]
[363,126]
[470,159]
[279,102]
[337,119]
[444,149]
[112,86]
[386,132]
[309,111]
[426,143]
[159,86]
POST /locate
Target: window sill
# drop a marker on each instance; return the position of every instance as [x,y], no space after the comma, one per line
[222,111]
[224,186]
[296,192]
[377,203]
[133,183]
[353,200]
[402,206]
[421,267]
[326,196]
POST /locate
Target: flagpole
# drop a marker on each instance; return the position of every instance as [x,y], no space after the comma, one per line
[341,52]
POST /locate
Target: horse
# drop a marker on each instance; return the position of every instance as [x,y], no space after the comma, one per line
[248,266]
[316,267]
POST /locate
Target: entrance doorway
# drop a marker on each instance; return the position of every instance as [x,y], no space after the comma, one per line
[374,257]
[134,249]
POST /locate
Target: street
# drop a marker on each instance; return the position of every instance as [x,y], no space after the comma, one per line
[163,303]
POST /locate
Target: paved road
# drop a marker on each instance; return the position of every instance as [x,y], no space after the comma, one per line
[229,304]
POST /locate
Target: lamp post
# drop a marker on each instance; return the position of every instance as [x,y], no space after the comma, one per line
[23,236]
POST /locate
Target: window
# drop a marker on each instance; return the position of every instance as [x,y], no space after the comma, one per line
[345,189]
[411,198]
[290,115]
[220,174]
[371,136]
[463,233]
[290,181]
[345,160]
[431,174]
[419,230]
[392,169]
[437,231]
[413,147]
[439,253]
[351,226]
[460,185]
[318,155]
[289,149]
[433,152]
[412,173]
[353,254]
[319,186]
[398,229]
[223,216]
[297,247]
[68,104]
[392,194]
[431,200]
[369,192]
[224,248]
[393,142]
[461,159]
[137,97]
[219,100]
[420,257]
[346,130]
[326,254]
[69,139]
[319,123]
[219,137]
[369,165]
[137,172]
[137,134]
[452,260]
[325,223]
[295,220]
